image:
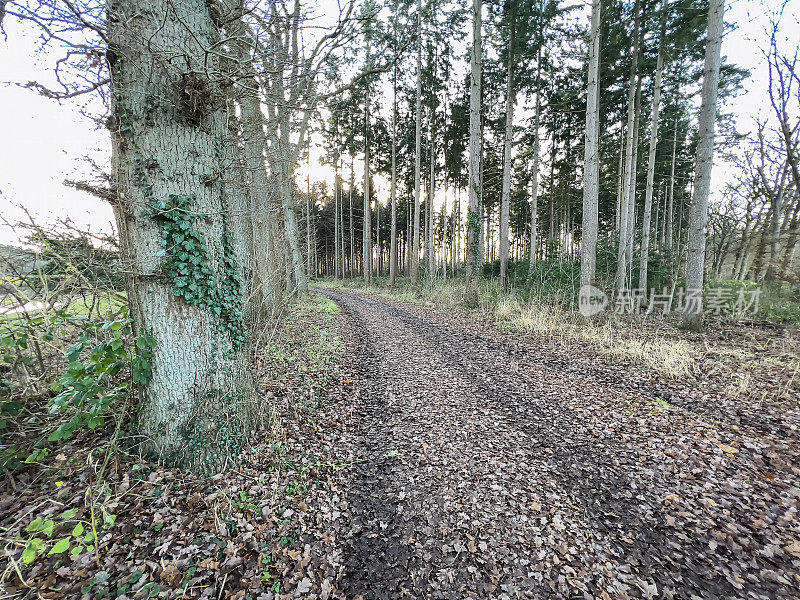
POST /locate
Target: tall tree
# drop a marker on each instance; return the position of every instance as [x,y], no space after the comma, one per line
[591,176]
[507,148]
[393,239]
[629,177]
[651,155]
[698,211]
[418,154]
[474,177]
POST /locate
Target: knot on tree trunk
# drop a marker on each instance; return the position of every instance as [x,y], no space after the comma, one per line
[197,99]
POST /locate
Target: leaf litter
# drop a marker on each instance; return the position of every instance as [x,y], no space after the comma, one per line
[439,458]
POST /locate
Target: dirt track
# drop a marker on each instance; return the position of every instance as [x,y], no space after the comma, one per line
[489,468]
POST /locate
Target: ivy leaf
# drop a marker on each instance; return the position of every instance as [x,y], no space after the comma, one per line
[32,549]
[35,525]
[60,547]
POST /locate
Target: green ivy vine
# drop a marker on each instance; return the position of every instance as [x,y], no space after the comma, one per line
[188,260]
[188,265]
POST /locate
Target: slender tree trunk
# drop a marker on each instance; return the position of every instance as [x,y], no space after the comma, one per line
[367,241]
[352,227]
[342,260]
[651,157]
[431,189]
[378,238]
[698,215]
[197,408]
[474,208]
[775,234]
[308,220]
[591,185]
[409,238]
[534,226]
[663,232]
[630,164]
[393,242]
[535,170]
[741,250]
[336,236]
[620,182]
[656,217]
[670,235]
[418,154]
[509,139]
[634,181]
[457,227]
[265,211]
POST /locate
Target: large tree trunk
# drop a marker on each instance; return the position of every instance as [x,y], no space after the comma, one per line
[505,200]
[591,184]
[474,208]
[417,153]
[168,160]
[698,214]
[651,156]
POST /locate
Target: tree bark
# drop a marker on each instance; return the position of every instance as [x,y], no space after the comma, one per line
[630,165]
[393,242]
[367,230]
[336,236]
[265,211]
[508,142]
[651,156]
[474,208]
[168,161]
[591,185]
[417,154]
[698,214]
[535,170]
[670,216]
[431,189]
[633,181]
[352,228]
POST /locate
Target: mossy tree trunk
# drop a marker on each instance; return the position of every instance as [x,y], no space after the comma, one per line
[183,253]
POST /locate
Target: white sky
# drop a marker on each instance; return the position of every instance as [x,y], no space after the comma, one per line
[43,142]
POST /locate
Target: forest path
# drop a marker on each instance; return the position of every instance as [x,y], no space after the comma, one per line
[486,468]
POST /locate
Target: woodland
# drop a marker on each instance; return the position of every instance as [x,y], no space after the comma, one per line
[407,299]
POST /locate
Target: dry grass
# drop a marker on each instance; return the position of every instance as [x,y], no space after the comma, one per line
[659,349]
[614,339]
